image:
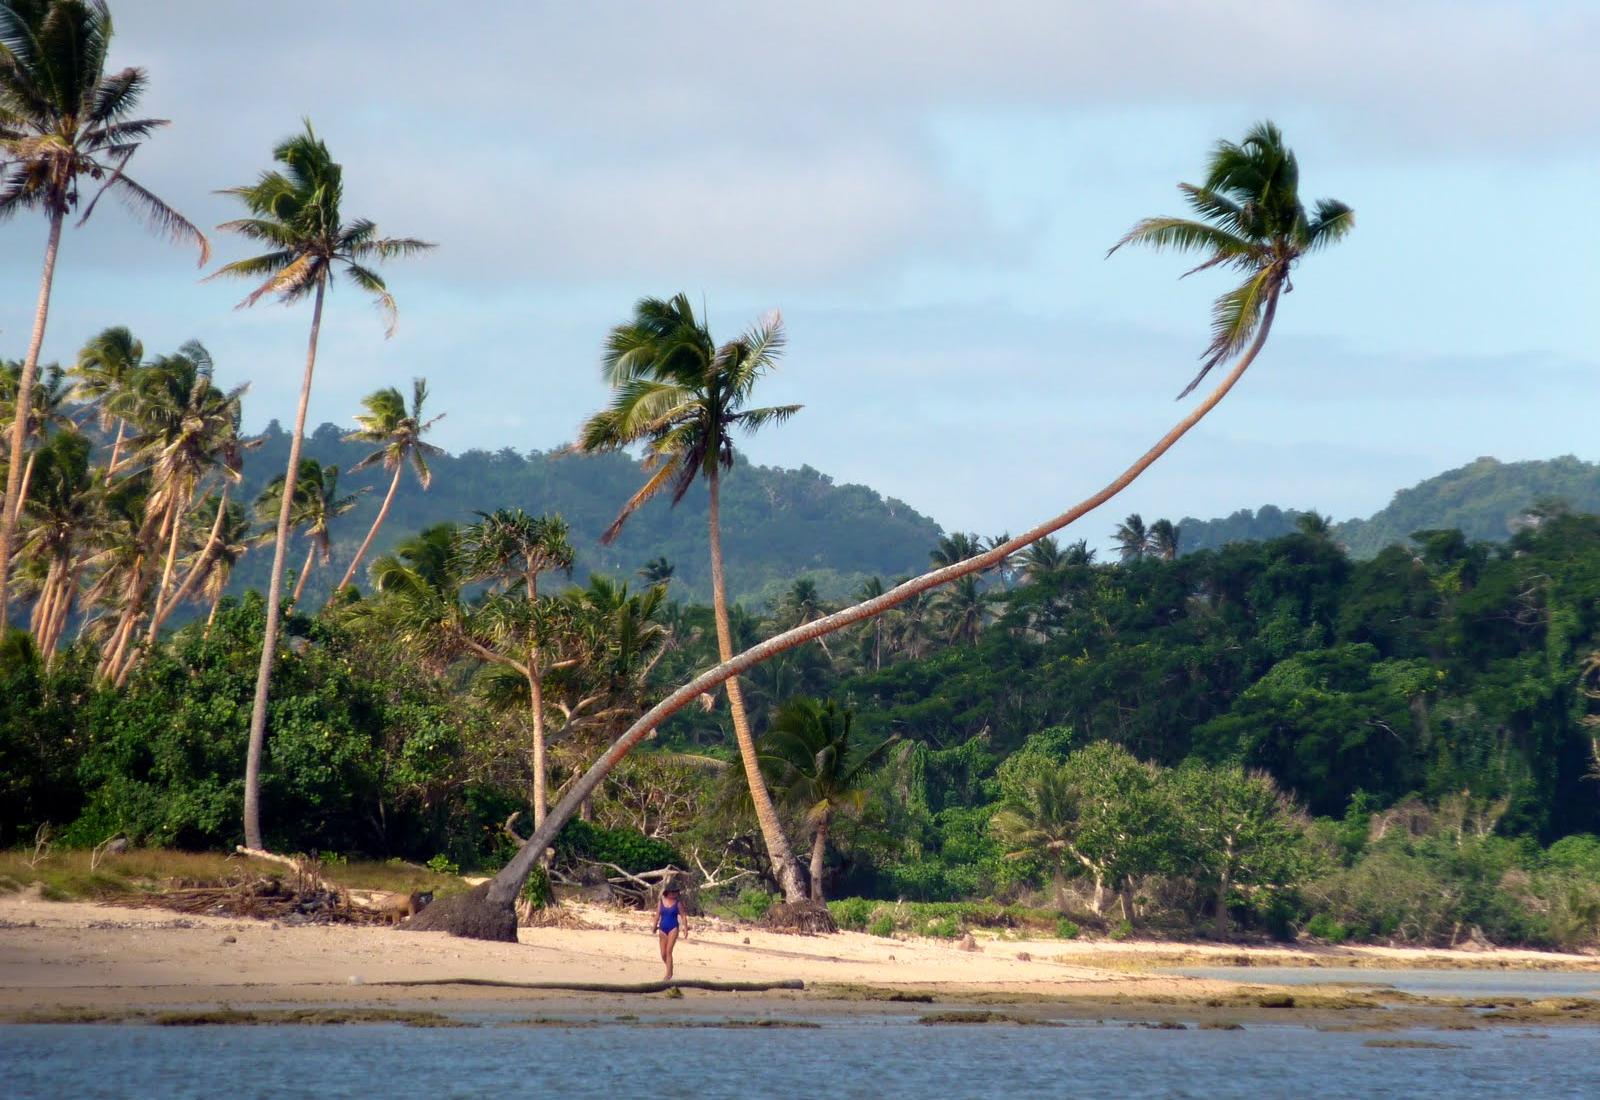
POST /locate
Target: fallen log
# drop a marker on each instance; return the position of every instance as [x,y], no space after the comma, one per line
[608,987]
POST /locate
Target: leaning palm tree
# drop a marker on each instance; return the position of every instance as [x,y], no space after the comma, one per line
[810,760]
[1267,234]
[44,413]
[398,435]
[316,505]
[682,395]
[296,213]
[107,372]
[64,120]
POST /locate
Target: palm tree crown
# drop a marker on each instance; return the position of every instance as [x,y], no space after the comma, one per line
[296,214]
[396,432]
[1251,219]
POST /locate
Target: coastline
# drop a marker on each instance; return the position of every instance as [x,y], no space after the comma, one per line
[73,960]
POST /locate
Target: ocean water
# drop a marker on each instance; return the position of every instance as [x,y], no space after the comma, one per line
[846,1057]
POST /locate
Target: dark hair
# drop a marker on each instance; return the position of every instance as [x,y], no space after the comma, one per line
[669,888]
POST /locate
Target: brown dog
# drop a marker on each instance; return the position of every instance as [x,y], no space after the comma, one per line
[395,908]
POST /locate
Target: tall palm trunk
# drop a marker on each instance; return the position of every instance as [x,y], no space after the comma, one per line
[819,851]
[116,450]
[11,507]
[502,890]
[216,602]
[305,571]
[777,842]
[372,533]
[535,699]
[55,629]
[269,640]
[27,479]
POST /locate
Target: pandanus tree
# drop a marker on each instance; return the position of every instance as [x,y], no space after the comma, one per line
[296,212]
[64,120]
[818,770]
[316,505]
[1250,219]
[681,395]
[511,549]
[398,433]
[106,374]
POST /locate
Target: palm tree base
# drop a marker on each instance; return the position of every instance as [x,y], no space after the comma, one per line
[809,918]
[472,916]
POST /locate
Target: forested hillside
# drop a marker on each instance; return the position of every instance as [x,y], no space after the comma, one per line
[1486,500]
[777,524]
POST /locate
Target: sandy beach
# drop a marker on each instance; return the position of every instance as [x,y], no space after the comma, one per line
[56,955]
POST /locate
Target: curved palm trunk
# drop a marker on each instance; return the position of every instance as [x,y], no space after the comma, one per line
[11,507]
[159,610]
[64,602]
[216,602]
[27,479]
[305,571]
[372,533]
[483,915]
[202,563]
[819,852]
[269,640]
[777,842]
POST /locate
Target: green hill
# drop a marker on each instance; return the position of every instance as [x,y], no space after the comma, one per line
[1486,499]
[777,524]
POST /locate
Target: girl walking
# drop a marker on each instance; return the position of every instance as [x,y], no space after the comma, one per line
[670,923]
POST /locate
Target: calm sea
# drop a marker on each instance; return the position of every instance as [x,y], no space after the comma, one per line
[846,1057]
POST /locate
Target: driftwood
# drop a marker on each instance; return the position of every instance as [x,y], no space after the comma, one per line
[609,987]
[261,898]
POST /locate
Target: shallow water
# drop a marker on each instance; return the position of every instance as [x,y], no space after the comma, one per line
[852,1057]
[1434,983]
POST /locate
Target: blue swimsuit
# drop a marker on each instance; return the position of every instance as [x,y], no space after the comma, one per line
[667,917]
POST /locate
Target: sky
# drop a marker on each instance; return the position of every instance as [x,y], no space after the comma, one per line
[927,192]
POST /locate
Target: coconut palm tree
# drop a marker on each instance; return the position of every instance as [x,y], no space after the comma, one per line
[808,757]
[657,570]
[511,547]
[1269,235]
[63,120]
[229,540]
[107,371]
[1042,560]
[1132,538]
[398,435]
[64,513]
[955,547]
[963,609]
[296,212]
[316,505]
[44,412]
[1040,820]
[1163,539]
[683,396]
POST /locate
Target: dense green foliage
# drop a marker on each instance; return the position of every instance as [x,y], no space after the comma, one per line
[777,524]
[1485,500]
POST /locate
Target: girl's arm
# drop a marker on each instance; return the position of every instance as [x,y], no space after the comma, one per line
[657,926]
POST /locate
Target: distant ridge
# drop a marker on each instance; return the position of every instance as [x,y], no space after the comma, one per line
[1487,500]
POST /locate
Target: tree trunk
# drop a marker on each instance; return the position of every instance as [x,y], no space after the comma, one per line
[535,705]
[269,640]
[487,912]
[777,842]
[195,573]
[116,451]
[1222,906]
[63,608]
[27,479]
[174,515]
[305,571]
[819,851]
[44,606]
[216,602]
[1126,895]
[11,506]
[372,532]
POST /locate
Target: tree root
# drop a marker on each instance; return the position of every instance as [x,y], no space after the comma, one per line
[471,916]
[808,918]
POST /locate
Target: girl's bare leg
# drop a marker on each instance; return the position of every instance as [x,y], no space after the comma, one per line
[669,940]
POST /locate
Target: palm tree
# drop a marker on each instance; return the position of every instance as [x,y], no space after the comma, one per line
[228,542]
[398,435]
[510,546]
[1314,525]
[682,395]
[1163,540]
[107,369]
[657,570]
[1043,559]
[956,547]
[963,609]
[45,410]
[808,756]
[488,912]
[1132,539]
[62,119]
[296,214]
[64,514]
[1041,820]
[872,638]
[316,505]
[1079,553]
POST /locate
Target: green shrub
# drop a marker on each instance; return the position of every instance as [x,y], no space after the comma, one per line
[852,914]
[943,928]
[441,864]
[1121,930]
[537,889]
[1324,927]
[882,926]
[1066,929]
[752,905]
[630,850]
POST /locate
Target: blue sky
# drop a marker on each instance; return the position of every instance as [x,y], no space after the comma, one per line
[927,192]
